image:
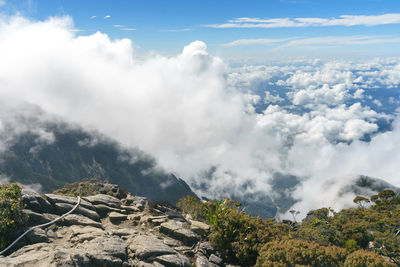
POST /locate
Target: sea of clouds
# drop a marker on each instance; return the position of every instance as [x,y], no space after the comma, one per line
[223,129]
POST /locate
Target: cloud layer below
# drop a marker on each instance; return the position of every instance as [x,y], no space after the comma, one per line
[229,129]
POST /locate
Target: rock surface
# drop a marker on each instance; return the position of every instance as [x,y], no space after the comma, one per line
[107,231]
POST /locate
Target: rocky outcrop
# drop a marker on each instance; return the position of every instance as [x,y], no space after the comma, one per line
[107,231]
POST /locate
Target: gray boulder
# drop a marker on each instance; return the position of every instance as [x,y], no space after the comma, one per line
[180,231]
[116,217]
[35,218]
[35,202]
[202,261]
[76,219]
[148,246]
[173,260]
[63,208]
[41,254]
[105,200]
[53,199]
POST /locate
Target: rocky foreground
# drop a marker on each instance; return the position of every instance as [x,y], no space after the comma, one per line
[107,231]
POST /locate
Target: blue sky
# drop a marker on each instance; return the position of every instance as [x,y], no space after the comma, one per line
[167,26]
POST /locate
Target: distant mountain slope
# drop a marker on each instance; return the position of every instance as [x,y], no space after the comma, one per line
[74,154]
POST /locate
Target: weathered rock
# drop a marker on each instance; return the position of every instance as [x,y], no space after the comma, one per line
[202,261]
[124,232]
[187,251]
[171,242]
[116,217]
[37,235]
[155,220]
[149,246]
[175,215]
[104,210]
[106,188]
[41,254]
[146,264]
[173,260]
[80,234]
[63,208]
[134,217]
[105,251]
[105,200]
[76,219]
[179,230]
[205,248]
[200,228]
[130,209]
[53,199]
[35,202]
[35,218]
[215,259]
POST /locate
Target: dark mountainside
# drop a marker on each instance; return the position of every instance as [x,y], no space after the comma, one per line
[75,155]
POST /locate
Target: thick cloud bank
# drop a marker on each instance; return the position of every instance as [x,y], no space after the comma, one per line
[222,130]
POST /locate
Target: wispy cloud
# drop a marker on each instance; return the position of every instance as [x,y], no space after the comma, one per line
[92,17]
[107,16]
[2,2]
[259,41]
[318,41]
[124,28]
[176,30]
[344,20]
[343,40]
[127,29]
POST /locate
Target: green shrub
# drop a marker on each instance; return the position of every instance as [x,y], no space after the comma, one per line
[11,215]
[191,205]
[351,245]
[237,236]
[292,252]
[362,258]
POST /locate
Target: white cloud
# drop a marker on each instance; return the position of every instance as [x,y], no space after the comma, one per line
[176,30]
[260,41]
[93,17]
[107,16]
[127,29]
[192,113]
[318,41]
[344,20]
[343,40]
[269,98]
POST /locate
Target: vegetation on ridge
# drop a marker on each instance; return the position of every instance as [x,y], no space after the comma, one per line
[368,235]
[91,187]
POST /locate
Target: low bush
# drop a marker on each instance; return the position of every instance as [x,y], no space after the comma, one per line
[293,252]
[11,215]
[361,258]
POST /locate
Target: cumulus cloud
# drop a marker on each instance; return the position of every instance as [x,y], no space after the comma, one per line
[197,116]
